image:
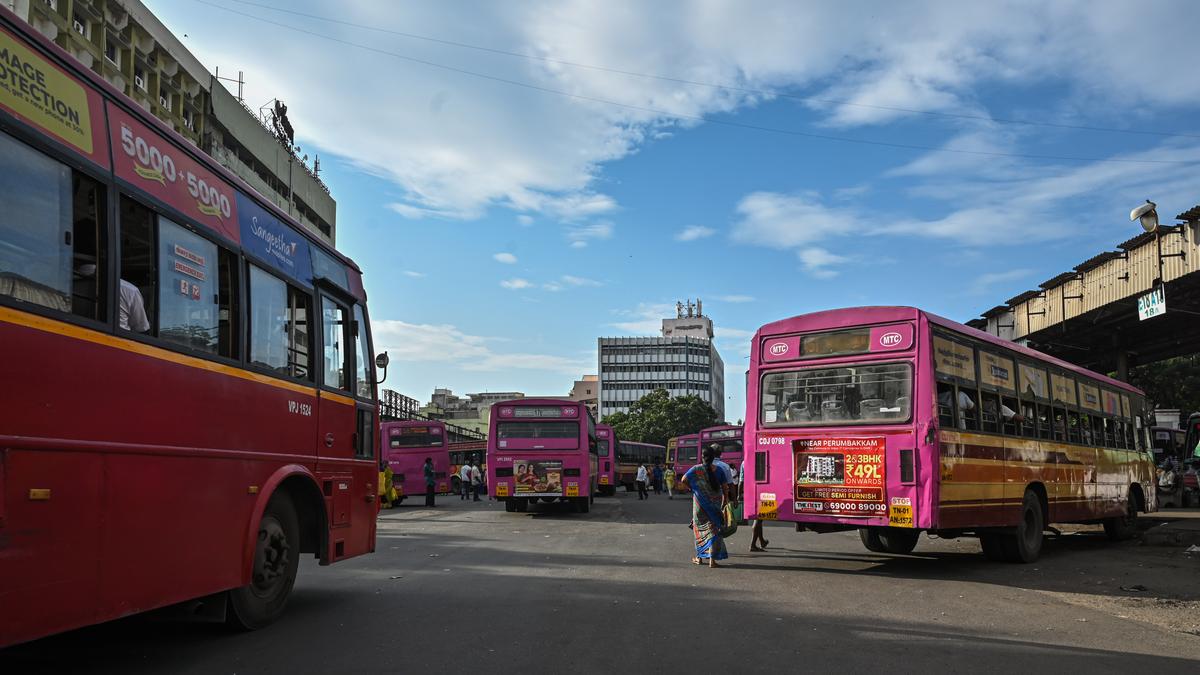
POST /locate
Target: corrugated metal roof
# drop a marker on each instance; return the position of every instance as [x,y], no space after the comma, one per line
[1058,280]
[1191,214]
[1098,260]
[996,311]
[1027,295]
[978,324]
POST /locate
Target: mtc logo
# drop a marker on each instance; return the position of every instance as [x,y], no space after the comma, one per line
[892,339]
[779,349]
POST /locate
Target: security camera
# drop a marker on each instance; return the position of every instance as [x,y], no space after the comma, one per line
[1147,214]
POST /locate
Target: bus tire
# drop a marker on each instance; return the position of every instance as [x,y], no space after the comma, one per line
[522,505]
[870,539]
[1123,527]
[510,505]
[582,505]
[993,547]
[276,558]
[899,541]
[1025,545]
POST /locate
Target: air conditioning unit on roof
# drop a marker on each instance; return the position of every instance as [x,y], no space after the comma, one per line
[79,28]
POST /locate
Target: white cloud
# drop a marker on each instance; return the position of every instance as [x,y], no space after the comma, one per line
[414,274]
[428,343]
[525,220]
[817,262]
[735,298]
[581,235]
[506,258]
[457,145]
[645,319]
[579,281]
[984,283]
[787,221]
[516,284]
[694,232]
[552,286]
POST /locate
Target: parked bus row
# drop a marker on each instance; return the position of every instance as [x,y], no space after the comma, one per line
[196,404]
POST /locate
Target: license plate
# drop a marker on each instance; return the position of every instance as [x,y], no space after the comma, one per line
[768,507]
[604,480]
[572,490]
[900,512]
[502,489]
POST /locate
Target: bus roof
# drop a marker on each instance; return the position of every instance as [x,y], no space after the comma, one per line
[850,317]
[415,423]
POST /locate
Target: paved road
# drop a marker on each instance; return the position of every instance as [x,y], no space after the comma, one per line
[468,587]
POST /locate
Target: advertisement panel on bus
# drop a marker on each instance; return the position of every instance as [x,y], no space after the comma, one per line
[891,420]
[542,449]
[405,445]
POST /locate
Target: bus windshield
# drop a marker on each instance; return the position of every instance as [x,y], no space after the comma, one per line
[686,453]
[727,447]
[837,396]
[538,429]
[602,447]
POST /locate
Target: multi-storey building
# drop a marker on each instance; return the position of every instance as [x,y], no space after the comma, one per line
[684,360]
[122,41]
[587,392]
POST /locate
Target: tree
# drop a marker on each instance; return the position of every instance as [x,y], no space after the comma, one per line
[656,417]
[1173,383]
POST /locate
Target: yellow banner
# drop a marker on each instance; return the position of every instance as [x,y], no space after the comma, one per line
[996,371]
[954,359]
[1063,388]
[34,89]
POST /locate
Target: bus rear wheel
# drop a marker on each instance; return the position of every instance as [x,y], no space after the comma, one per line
[276,558]
[582,505]
[510,505]
[1025,545]
[870,539]
[900,541]
[1123,527]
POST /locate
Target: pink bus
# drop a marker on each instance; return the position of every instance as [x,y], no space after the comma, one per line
[405,445]
[542,449]
[606,459]
[728,438]
[683,452]
[891,420]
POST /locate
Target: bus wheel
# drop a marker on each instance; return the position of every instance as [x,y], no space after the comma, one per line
[870,539]
[1123,527]
[522,505]
[510,505]
[1025,545]
[993,547]
[582,505]
[901,541]
[276,557]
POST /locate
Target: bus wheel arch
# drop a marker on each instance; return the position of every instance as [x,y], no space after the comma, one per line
[1119,528]
[301,487]
[273,572]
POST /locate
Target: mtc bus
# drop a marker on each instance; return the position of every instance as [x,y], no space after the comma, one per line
[189,400]
[683,452]
[632,453]
[606,457]
[541,449]
[406,444]
[728,439]
[891,420]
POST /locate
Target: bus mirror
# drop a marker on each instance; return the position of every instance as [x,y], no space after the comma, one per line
[382,361]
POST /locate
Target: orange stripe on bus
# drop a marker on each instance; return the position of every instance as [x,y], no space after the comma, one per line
[345,400]
[64,329]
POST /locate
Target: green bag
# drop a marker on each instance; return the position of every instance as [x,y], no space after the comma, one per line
[730,526]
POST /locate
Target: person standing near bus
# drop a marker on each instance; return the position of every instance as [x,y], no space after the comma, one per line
[669,479]
[429,483]
[476,480]
[464,480]
[641,479]
[729,481]
[707,483]
[657,476]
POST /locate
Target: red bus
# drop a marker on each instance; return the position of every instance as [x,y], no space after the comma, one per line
[541,449]
[683,452]
[190,398]
[405,445]
[606,444]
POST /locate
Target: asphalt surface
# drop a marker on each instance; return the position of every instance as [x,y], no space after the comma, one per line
[467,587]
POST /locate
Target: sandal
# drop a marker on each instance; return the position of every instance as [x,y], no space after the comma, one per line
[695,561]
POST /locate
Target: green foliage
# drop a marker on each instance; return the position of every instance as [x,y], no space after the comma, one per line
[1173,383]
[657,417]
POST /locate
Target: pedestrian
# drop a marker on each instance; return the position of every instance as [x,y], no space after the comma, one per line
[476,480]
[707,483]
[641,479]
[669,479]
[429,492]
[658,479]
[757,532]
[464,481]
[729,482]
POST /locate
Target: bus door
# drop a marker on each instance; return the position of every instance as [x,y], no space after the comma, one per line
[339,429]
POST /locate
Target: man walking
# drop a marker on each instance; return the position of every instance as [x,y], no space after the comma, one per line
[476,480]
[429,482]
[641,479]
[658,478]
[464,480]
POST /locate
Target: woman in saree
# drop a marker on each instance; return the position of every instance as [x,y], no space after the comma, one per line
[706,482]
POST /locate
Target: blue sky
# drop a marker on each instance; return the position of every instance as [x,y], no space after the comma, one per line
[503,228]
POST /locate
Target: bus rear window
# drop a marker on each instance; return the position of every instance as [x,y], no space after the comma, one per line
[686,453]
[416,440]
[845,395]
[538,429]
[602,448]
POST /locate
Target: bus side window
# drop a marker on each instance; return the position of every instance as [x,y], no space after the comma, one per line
[1060,424]
[278,331]
[333,320]
[990,412]
[945,404]
[1009,411]
[1074,427]
[138,269]
[52,226]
